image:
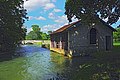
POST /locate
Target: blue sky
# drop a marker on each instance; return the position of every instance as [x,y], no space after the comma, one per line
[48,14]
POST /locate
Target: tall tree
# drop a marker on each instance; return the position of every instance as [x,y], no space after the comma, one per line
[86,10]
[44,36]
[24,31]
[12,17]
[36,28]
[32,36]
[35,34]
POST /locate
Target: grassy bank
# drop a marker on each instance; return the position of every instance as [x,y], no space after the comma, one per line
[38,43]
[116,43]
[104,66]
[43,45]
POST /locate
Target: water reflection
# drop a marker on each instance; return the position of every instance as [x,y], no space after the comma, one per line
[36,63]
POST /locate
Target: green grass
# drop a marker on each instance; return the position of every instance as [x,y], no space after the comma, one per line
[116,43]
[106,65]
[38,43]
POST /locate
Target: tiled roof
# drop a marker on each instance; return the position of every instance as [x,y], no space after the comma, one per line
[64,27]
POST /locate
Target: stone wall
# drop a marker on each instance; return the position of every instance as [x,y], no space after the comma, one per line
[79,39]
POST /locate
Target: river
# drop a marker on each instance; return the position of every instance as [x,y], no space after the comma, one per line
[36,63]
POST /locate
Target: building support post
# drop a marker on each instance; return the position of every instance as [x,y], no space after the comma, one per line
[60,43]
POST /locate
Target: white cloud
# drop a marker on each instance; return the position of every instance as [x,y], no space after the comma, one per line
[53,27]
[49,6]
[57,10]
[40,18]
[33,4]
[58,19]
[29,29]
[53,0]
[51,15]
[61,19]
[60,22]
[31,17]
[37,18]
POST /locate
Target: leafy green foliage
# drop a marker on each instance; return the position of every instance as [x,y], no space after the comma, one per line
[49,32]
[44,36]
[35,28]
[36,34]
[86,10]
[116,35]
[12,17]
[31,36]
[24,31]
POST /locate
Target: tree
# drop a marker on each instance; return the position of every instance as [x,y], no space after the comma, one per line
[32,36]
[49,32]
[36,28]
[44,36]
[116,35]
[24,31]
[86,10]
[12,17]
[35,34]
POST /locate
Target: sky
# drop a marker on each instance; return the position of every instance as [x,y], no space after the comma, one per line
[48,14]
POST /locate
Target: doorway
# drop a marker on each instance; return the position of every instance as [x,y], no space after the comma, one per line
[108,43]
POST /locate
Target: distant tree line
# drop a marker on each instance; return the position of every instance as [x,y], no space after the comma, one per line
[12,17]
[37,34]
[116,35]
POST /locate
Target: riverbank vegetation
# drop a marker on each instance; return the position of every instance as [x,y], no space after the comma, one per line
[37,34]
[12,17]
[116,35]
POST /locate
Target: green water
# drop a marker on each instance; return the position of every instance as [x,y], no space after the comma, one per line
[36,63]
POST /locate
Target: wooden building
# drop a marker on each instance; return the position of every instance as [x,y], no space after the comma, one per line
[77,39]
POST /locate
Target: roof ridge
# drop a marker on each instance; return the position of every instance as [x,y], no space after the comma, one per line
[65,27]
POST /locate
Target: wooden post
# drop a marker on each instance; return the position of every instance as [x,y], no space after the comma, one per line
[54,44]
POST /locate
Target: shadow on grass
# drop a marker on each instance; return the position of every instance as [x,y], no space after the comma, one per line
[103,66]
[106,66]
